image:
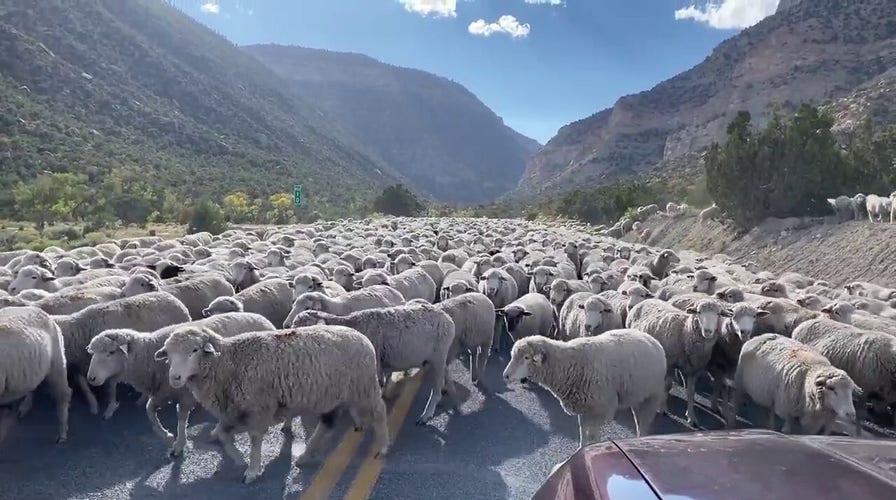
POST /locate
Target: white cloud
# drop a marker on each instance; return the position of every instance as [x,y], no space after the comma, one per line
[505,24]
[438,8]
[729,14]
[546,2]
[210,7]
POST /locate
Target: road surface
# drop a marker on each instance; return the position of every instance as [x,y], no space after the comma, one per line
[498,447]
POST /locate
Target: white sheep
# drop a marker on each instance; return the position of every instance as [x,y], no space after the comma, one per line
[474,325]
[412,284]
[585,314]
[456,283]
[31,352]
[868,357]
[271,298]
[404,337]
[687,338]
[343,305]
[127,356]
[528,315]
[842,207]
[794,382]
[876,207]
[860,288]
[561,289]
[34,277]
[594,377]
[72,300]
[736,330]
[622,302]
[195,293]
[252,381]
[145,313]
[710,213]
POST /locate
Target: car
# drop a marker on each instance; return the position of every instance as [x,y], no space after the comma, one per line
[727,465]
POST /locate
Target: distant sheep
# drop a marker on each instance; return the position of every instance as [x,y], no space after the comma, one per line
[343,305]
[710,213]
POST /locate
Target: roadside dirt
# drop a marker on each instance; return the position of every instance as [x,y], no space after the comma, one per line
[816,247]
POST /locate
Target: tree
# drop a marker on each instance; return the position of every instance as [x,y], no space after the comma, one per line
[207,216]
[398,200]
[50,197]
[282,210]
[238,207]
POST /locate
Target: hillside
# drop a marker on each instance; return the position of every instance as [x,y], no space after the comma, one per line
[431,130]
[87,86]
[815,51]
[816,247]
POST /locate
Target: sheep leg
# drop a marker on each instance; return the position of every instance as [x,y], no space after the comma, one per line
[645,413]
[183,415]
[788,425]
[731,418]
[152,408]
[474,365]
[318,439]
[57,383]
[25,405]
[254,469]
[668,389]
[7,420]
[112,394]
[771,419]
[482,360]
[435,375]
[374,413]
[691,390]
[286,428]
[589,426]
[309,423]
[88,394]
[717,386]
[141,401]
[230,448]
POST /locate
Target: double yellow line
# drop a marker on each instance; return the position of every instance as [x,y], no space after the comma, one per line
[334,467]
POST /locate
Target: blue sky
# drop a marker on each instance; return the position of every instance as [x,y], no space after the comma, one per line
[539,64]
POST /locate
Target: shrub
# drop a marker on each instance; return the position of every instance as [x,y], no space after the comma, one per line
[207,216]
[398,200]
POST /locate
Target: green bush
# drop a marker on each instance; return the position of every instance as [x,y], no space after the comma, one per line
[207,216]
[398,200]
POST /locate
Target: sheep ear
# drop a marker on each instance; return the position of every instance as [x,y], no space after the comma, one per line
[827,309]
[546,288]
[762,314]
[360,285]
[538,358]
[689,276]
[124,349]
[161,355]
[821,381]
[581,306]
[526,313]
[468,289]
[654,277]
[648,295]
[291,284]
[856,390]
[720,295]
[691,310]
[727,313]
[48,277]
[500,312]
[210,349]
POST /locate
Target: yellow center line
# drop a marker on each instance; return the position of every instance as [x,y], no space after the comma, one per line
[333,467]
[371,468]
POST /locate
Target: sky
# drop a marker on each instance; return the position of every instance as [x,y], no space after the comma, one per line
[539,64]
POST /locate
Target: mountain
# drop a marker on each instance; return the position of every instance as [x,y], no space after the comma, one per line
[433,131]
[88,86]
[809,51]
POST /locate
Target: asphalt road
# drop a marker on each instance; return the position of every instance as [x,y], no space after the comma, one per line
[497,447]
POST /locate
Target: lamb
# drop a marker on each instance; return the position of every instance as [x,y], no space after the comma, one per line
[127,356]
[412,284]
[474,324]
[271,298]
[622,302]
[72,300]
[403,337]
[561,289]
[736,330]
[499,287]
[66,267]
[710,213]
[687,338]
[145,312]
[585,314]
[868,357]
[457,283]
[528,315]
[195,293]
[594,377]
[543,276]
[34,277]
[251,381]
[365,298]
[793,381]
[876,206]
[32,352]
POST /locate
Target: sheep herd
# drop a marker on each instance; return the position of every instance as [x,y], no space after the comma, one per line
[262,326]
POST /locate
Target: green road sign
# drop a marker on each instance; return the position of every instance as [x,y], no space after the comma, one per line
[297,195]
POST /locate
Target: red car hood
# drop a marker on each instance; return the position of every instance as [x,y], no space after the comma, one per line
[723,465]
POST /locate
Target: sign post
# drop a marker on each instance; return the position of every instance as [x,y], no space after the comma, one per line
[297,195]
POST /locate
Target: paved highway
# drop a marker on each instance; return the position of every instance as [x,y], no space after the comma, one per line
[497,447]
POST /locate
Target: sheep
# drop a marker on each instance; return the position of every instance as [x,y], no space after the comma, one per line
[710,213]
[145,312]
[793,381]
[32,352]
[72,300]
[404,337]
[862,289]
[842,207]
[196,293]
[245,274]
[456,283]
[251,381]
[528,315]
[622,302]
[868,357]
[730,294]
[474,324]
[585,314]
[412,284]
[366,298]
[736,330]
[543,276]
[858,206]
[687,338]
[34,277]
[66,267]
[594,377]
[303,283]
[876,207]
[660,264]
[127,356]
[499,287]
[271,298]
[561,289]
